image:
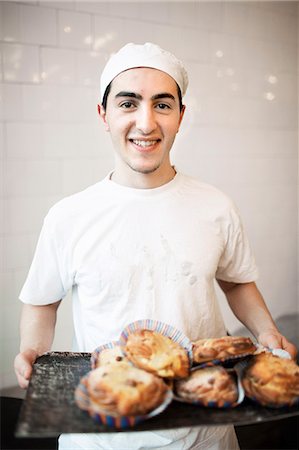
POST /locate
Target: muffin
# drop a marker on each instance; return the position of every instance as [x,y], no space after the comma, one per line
[157,353]
[110,353]
[210,386]
[271,381]
[222,348]
[123,390]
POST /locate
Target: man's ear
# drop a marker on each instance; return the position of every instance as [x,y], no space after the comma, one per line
[102,114]
[181,116]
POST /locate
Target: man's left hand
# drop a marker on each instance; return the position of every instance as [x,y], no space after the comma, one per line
[273,339]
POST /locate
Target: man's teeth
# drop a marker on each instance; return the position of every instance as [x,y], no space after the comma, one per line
[144,143]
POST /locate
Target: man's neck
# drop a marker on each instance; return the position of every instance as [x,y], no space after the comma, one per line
[139,180]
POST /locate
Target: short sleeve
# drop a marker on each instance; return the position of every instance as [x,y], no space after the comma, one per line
[48,279]
[237,263]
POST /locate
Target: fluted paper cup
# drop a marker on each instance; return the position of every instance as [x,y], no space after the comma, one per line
[82,400]
[162,328]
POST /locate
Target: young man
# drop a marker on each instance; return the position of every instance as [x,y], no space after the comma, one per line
[145,242]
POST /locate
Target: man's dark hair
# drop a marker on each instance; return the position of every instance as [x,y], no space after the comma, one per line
[108,88]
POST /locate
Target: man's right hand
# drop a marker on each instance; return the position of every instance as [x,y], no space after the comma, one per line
[23,366]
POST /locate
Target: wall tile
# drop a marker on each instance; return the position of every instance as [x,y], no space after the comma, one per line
[1,101]
[58,66]
[60,141]
[76,175]
[286,56]
[181,15]
[2,151]
[68,5]
[40,102]
[23,141]
[32,178]
[38,25]
[7,287]
[77,104]
[74,29]
[10,325]
[147,33]
[24,215]
[146,11]
[287,8]
[1,69]
[11,95]
[20,63]
[91,141]
[221,49]
[10,349]
[13,258]
[94,7]
[108,34]
[89,67]
[210,16]
[10,30]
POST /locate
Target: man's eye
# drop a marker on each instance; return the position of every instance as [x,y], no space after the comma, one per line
[127,105]
[163,106]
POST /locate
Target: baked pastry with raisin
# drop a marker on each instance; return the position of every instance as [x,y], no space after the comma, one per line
[208,386]
[158,354]
[222,348]
[271,380]
[109,356]
[123,390]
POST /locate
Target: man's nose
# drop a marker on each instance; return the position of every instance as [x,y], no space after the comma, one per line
[145,120]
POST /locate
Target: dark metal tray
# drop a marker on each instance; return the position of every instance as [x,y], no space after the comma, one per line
[49,408]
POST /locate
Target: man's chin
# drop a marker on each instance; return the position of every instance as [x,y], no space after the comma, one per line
[145,170]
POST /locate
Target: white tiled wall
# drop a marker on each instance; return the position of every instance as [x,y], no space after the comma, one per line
[240,129]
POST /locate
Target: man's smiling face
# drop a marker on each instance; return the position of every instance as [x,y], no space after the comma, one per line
[143,116]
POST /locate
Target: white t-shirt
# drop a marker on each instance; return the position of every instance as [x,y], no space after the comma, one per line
[132,254]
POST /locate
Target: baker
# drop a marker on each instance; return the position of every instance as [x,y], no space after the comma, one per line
[145,242]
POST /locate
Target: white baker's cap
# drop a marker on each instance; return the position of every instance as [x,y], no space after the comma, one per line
[146,55]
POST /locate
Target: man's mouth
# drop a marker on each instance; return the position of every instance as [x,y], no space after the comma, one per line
[144,144]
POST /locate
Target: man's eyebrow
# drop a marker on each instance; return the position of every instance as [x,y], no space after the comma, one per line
[163,95]
[128,94]
[139,97]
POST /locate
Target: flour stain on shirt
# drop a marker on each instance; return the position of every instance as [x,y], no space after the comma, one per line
[149,268]
[170,261]
[187,272]
[186,268]
[192,279]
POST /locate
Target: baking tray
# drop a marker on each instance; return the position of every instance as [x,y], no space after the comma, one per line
[49,408]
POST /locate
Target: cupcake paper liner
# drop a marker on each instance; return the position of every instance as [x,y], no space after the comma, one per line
[116,421]
[160,327]
[212,403]
[241,366]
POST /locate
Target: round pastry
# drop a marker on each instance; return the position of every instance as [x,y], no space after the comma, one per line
[158,354]
[272,381]
[123,390]
[108,356]
[210,386]
[222,348]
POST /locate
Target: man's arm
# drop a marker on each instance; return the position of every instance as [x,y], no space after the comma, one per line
[37,328]
[249,307]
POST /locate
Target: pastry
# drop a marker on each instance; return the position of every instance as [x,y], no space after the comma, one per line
[222,348]
[156,353]
[123,390]
[108,356]
[271,380]
[209,386]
